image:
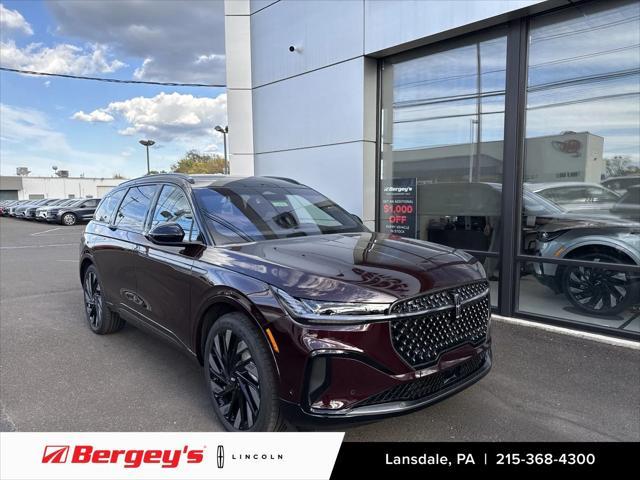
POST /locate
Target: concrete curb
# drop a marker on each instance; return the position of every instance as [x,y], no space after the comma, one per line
[596,337]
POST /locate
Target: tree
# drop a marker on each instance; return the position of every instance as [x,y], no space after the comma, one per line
[118,176]
[196,162]
[620,165]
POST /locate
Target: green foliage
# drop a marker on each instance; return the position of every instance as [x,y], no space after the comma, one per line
[196,162]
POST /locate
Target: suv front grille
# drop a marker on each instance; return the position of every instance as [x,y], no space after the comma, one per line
[429,385]
[420,339]
[443,298]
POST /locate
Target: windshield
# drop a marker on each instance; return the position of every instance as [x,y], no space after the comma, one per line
[534,204]
[245,214]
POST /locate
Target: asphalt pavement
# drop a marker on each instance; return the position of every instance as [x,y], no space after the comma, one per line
[55,375]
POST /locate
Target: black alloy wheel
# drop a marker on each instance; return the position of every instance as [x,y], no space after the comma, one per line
[235,382]
[597,290]
[240,375]
[100,320]
[93,299]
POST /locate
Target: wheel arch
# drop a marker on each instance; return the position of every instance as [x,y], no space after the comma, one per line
[610,248]
[85,262]
[223,302]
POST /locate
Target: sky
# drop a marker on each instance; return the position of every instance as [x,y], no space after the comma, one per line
[93,128]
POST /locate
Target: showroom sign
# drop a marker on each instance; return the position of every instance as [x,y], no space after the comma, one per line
[399,207]
[146,455]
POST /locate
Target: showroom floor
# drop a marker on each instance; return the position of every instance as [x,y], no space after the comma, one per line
[55,375]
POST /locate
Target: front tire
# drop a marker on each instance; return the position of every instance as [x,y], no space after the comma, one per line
[240,376]
[599,291]
[69,219]
[100,320]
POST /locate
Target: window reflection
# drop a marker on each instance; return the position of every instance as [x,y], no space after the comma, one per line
[582,153]
[443,128]
[575,293]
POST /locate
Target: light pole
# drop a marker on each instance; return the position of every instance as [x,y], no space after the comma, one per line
[147,144]
[224,131]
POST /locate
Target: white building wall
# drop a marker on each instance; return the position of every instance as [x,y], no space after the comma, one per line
[239,95]
[310,113]
[56,187]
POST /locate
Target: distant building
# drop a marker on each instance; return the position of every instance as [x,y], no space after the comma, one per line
[23,187]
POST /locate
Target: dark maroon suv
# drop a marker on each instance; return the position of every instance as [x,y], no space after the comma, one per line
[295,309]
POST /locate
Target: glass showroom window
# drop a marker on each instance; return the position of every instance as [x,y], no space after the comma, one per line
[442,144]
[582,166]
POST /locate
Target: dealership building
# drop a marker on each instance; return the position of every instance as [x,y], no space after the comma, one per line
[498,127]
[23,187]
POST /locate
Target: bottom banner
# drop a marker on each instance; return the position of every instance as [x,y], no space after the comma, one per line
[414,460]
[162,455]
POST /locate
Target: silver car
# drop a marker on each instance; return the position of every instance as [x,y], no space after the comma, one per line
[577,197]
[593,238]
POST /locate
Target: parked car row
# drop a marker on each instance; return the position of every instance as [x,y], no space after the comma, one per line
[65,211]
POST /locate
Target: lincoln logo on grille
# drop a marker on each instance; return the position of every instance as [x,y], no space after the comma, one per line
[457,302]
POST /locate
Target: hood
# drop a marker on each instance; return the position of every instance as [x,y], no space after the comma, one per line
[571,221]
[355,267]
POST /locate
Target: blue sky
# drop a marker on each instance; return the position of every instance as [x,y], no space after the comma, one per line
[93,128]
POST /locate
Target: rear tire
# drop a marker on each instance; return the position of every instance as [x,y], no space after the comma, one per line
[100,319]
[240,376]
[69,219]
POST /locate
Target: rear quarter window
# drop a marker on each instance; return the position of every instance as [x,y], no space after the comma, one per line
[107,207]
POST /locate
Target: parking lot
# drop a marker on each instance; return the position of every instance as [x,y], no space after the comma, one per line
[55,375]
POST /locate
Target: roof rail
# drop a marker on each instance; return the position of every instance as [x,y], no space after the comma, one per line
[184,176]
[285,179]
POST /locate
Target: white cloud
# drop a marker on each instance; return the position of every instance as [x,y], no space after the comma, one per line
[28,139]
[95,116]
[26,126]
[13,20]
[62,58]
[177,41]
[167,117]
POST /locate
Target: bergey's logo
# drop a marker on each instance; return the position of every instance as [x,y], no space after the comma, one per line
[55,454]
[128,458]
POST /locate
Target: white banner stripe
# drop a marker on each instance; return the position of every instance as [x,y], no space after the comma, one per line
[167,455]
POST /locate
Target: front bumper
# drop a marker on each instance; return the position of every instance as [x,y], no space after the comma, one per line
[445,380]
[331,374]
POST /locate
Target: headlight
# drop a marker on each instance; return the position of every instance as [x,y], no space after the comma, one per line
[329,312]
[549,236]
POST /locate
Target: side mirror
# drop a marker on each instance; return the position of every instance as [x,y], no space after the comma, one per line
[167,234]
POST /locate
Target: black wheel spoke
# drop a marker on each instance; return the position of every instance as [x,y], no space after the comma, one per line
[234,380]
[93,299]
[598,290]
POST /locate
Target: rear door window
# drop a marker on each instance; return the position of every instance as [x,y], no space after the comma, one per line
[134,207]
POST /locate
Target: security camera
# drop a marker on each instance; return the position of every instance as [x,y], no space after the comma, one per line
[293,48]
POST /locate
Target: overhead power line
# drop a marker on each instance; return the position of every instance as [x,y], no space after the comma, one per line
[112,80]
